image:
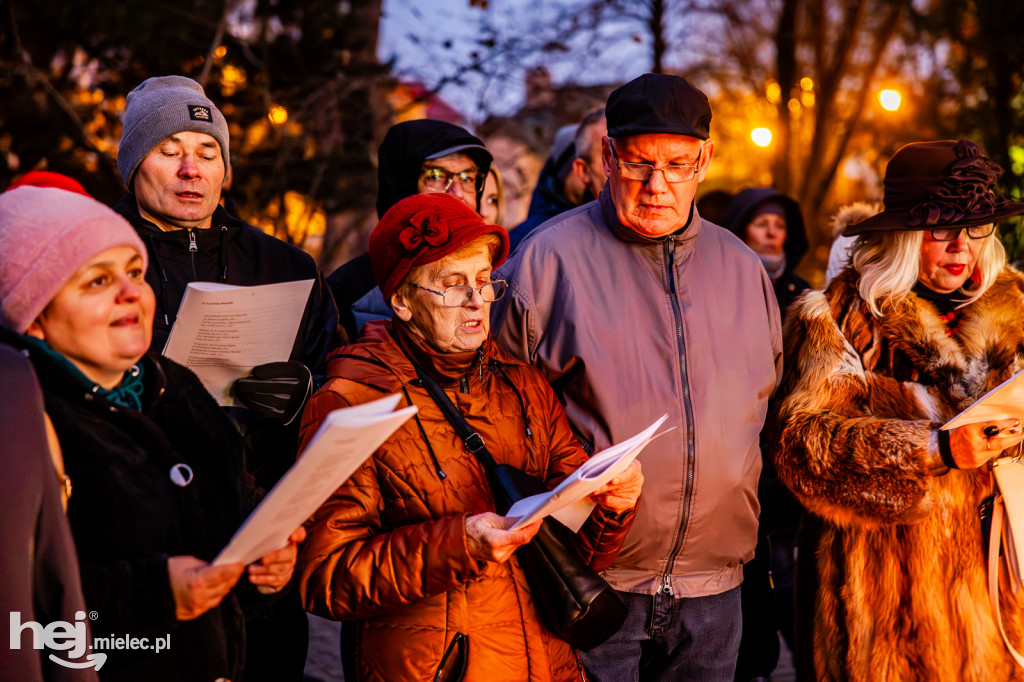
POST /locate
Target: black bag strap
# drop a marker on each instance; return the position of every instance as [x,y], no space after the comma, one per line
[472,440]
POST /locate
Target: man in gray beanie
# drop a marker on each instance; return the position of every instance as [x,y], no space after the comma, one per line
[174,159]
[636,307]
[161,107]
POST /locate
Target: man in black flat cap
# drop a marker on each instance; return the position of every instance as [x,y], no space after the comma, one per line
[633,306]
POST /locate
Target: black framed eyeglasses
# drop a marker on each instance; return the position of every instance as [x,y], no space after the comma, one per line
[461,295]
[642,172]
[439,180]
[951,234]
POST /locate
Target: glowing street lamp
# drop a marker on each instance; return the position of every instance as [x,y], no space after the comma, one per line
[890,99]
[278,115]
[762,137]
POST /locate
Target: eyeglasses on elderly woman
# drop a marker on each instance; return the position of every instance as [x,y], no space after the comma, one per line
[951,234]
[461,295]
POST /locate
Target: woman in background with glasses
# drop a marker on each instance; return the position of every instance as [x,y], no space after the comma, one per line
[408,552]
[926,320]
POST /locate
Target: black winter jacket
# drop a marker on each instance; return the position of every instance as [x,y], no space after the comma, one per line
[128,517]
[232,252]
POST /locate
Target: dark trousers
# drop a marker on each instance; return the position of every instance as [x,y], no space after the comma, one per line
[689,639]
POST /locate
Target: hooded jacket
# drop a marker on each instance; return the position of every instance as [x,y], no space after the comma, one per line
[902,591]
[632,328]
[387,553]
[407,145]
[399,159]
[743,209]
[232,252]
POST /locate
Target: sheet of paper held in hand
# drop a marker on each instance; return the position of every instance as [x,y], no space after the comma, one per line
[1005,401]
[346,438]
[223,331]
[568,502]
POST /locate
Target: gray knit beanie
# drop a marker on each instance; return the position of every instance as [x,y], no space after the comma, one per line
[161,107]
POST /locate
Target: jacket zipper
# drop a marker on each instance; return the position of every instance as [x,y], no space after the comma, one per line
[680,533]
[193,249]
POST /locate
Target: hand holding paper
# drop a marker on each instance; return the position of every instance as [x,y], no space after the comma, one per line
[568,502]
[346,438]
[989,426]
[1005,401]
[223,331]
[622,492]
[273,571]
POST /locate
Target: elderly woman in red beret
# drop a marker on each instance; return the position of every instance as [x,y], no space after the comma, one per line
[926,320]
[409,552]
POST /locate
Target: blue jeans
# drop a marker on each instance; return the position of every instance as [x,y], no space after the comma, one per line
[680,640]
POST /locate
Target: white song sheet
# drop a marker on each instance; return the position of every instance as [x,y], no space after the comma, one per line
[346,438]
[568,502]
[223,331]
[1005,401]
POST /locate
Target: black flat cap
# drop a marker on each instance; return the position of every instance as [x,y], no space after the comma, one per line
[658,103]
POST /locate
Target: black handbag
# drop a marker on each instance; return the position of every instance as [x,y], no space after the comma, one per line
[574,601]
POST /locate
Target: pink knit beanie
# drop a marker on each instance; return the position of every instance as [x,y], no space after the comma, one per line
[46,235]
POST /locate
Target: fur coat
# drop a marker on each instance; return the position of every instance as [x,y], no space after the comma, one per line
[902,591]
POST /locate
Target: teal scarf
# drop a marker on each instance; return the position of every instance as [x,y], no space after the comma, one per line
[126,394]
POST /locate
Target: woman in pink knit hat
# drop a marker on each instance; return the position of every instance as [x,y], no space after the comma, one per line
[154,466]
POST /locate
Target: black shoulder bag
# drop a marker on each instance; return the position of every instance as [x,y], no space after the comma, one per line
[574,601]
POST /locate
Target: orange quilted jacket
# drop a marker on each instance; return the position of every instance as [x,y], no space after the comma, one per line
[387,552]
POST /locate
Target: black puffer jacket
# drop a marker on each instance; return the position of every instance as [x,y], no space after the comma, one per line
[128,517]
[742,210]
[232,252]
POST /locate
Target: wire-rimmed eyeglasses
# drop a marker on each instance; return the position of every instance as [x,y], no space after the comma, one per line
[951,234]
[460,295]
[642,172]
[439,180]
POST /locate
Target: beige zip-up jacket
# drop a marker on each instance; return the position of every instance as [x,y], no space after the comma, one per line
[633,328]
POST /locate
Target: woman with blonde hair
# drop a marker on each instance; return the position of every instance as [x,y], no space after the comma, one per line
[926,321]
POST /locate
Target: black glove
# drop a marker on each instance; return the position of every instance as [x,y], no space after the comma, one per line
[276,390]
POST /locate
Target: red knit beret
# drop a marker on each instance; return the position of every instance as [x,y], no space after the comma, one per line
[422,229]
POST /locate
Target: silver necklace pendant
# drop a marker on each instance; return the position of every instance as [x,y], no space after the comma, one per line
[181,475]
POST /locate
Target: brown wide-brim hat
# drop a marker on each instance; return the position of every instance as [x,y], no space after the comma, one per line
[930,185]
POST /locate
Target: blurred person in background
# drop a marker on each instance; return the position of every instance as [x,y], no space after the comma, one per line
[571,176]
[771,224]
[492,205]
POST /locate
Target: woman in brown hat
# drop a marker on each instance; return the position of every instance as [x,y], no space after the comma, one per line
[408,552]
[927,319]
